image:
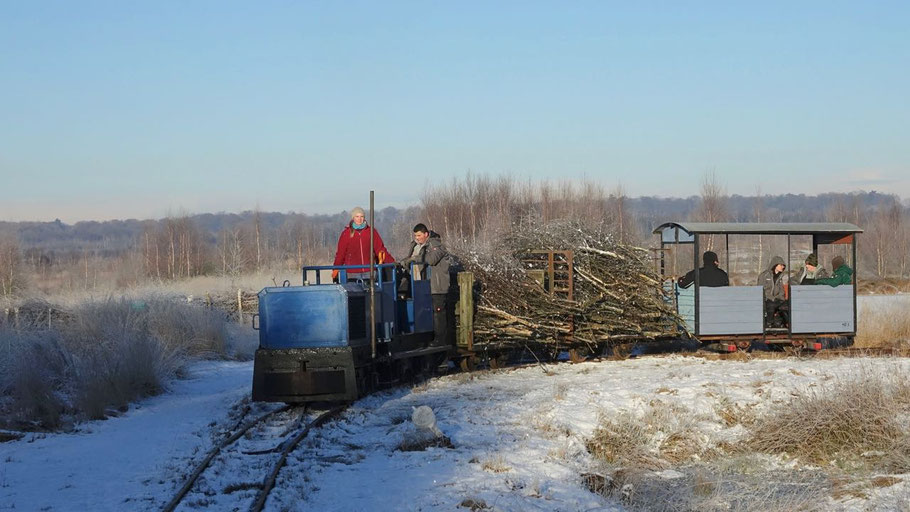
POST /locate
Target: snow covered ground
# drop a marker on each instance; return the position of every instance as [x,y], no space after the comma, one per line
[121,463]
[518,438]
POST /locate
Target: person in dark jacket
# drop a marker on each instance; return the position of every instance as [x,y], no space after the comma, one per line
[773,279]
[809,273]
[354,247]
[428,251]
[708,275]
[842,273]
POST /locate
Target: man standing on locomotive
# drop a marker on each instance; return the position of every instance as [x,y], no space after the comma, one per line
[427,250]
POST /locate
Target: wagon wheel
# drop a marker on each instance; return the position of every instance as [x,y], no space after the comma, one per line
[496,361]
[621,351]
[792,351]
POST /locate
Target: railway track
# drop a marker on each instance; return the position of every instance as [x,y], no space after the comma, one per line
[294,424]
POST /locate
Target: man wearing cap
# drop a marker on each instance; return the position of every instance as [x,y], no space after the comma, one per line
[842,273]
[708,275]
[809,273]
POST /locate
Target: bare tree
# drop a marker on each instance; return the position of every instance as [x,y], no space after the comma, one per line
[759,214]
[231,252]
[174,248]
[257,228]
[619,216]
[712,205]
[11,271]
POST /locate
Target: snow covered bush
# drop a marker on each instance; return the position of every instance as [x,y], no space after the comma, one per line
[100,357]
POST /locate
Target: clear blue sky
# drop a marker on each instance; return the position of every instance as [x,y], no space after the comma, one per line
[140,109]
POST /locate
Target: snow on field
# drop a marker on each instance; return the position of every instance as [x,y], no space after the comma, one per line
[110,465]
[518,437]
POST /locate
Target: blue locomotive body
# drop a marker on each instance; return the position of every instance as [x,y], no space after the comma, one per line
[315,340]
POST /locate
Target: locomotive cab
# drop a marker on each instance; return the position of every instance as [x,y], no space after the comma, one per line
[315,340]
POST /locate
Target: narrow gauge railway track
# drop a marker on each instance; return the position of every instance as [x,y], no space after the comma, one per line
[283,449]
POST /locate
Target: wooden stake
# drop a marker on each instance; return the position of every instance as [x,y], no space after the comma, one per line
[240,305]
[466,310]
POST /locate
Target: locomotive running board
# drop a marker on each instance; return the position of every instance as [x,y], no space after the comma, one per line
[419,352]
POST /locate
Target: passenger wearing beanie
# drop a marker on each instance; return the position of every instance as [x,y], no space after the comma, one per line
[354,247]
[708,275]
[842,273]
[809,273]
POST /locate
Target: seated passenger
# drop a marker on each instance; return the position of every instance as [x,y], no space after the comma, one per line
[708,275]
[773,279]
[809,273]
[842,273]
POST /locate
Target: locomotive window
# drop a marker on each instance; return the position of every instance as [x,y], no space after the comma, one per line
[357,318]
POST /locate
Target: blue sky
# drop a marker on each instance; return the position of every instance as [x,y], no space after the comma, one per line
[128,109]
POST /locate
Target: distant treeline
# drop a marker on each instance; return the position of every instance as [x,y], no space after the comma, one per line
[50,256]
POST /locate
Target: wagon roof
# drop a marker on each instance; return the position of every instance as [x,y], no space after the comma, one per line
[762,228]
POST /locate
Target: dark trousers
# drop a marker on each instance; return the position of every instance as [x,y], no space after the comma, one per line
[444,318]
[777,313]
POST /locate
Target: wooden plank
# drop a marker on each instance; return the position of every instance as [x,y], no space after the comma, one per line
[731,310]
[466,310]
[822,308]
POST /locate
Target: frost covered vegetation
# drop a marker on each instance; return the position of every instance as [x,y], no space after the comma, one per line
[838,440]
[98,357]
[885,325]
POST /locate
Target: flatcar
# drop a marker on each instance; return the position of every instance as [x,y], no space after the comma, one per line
[735,316]
[316,341]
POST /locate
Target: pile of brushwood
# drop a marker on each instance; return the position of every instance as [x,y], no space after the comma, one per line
[617,295]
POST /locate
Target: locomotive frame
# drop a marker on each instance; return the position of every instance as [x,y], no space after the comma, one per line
[315,342]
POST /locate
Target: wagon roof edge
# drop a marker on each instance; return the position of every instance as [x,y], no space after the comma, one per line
[761,228]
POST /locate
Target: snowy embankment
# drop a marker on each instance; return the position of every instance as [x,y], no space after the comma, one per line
[121,463]
[519,437]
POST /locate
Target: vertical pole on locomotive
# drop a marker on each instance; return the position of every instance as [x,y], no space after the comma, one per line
[372,284]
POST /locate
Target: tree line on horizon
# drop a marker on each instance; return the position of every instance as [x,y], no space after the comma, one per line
[48,257]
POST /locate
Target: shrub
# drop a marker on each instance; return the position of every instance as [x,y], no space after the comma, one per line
[714,487]
[34,368]
[857,422]
[101,356]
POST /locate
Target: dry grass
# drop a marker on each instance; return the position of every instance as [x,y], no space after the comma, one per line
[105,355]
[495,465]
[714,488]
[887,326]
[856,424]
[839,439]
[662,437]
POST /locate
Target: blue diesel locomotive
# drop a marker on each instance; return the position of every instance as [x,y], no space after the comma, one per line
[316,343]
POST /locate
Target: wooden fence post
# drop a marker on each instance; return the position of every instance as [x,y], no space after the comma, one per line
[466,310]
[240,305]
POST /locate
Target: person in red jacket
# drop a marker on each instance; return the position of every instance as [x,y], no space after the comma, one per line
[354,247]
